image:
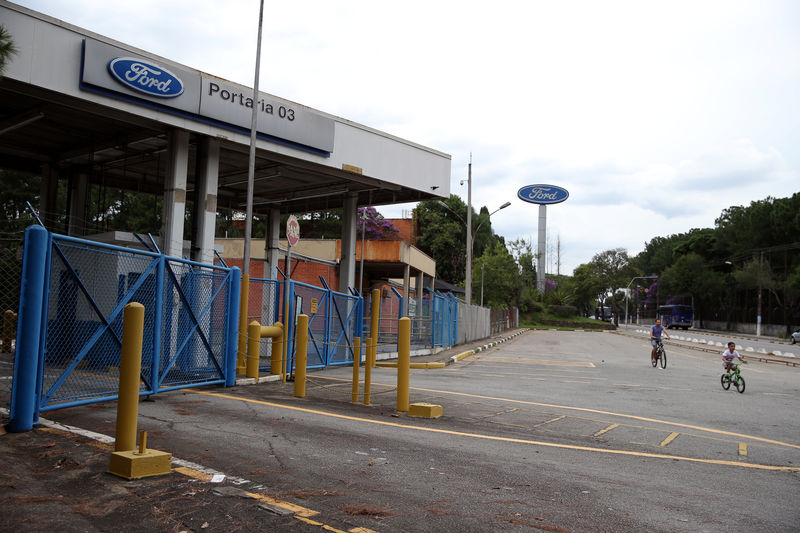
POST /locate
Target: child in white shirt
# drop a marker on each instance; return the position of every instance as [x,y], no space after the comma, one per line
[729,355]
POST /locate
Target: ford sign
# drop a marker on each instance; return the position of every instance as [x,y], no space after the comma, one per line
[145,77]
[542,194]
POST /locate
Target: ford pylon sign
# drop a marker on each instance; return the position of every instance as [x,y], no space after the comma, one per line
[542,194]
[145,77]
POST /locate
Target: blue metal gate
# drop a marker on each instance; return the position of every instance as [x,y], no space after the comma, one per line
[189,328]
[335,319]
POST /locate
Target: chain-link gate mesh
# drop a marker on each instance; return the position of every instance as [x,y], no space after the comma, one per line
[84,319]
[263,305]
[10,277]
[314,302]
[194,341]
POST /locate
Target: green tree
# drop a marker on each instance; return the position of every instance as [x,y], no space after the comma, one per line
[7,49]
[441,235]
[690,275]
[502,284]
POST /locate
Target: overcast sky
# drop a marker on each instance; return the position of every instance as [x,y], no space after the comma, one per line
[655,116]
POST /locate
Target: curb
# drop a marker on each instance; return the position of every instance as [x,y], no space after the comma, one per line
[758,356]
[463,355]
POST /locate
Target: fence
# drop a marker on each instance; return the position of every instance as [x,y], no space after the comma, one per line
[189,330]
[10,275]
[434,320]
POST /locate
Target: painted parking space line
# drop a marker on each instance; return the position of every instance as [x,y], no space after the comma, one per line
[671,437]
[498,438]
[556,419]
[606,430]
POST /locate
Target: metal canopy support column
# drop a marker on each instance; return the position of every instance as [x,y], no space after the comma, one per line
[347,267]
[175,194]
[205,200]
[272,244]
[77,214]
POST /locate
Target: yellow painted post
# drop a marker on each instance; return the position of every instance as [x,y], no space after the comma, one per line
[253,348]
[277,351]
[356,364]
[9,318]
[302,353]
[375,322]
[368,372]
[403,363]
[244,297]
[129,377]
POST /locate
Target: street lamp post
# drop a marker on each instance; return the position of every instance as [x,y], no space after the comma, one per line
[470,245]
[627,293]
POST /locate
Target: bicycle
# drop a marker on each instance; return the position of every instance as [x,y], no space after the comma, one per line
[733,376]
[661,356]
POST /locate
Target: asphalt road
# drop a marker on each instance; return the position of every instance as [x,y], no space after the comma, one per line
[555,431]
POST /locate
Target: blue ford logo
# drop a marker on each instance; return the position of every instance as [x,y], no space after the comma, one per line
[542,194]
[145,77]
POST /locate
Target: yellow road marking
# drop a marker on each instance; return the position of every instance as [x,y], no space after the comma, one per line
[296,509]
[501,439]
[742,448]
[606,430]
[671,437]
[556,419]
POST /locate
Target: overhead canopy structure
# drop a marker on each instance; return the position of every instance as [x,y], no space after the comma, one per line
[81,107]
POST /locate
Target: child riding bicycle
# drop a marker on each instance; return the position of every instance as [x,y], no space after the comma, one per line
[729,355]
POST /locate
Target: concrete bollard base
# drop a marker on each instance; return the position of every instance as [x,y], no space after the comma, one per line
[134,465]
[425,410]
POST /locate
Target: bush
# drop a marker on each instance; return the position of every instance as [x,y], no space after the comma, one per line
[563,311]
[534,307]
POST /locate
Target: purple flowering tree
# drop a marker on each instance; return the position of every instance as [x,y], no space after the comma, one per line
[377,228]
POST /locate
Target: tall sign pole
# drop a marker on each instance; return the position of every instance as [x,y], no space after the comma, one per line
[468,281]
[541,248]
[543,195]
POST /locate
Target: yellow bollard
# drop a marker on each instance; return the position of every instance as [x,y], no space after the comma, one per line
[403,363]
[302,354]
[9,320]
[244,298]
[130,369]
[368,372]
[277,351]
[253,348]
[356,364]
[126,461]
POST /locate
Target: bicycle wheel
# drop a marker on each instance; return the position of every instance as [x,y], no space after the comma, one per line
[663,356]
[725,380]
[740,384]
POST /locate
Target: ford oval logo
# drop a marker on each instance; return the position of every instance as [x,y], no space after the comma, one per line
[543,194]
[145,77]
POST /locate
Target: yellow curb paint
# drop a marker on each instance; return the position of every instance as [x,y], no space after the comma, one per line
[504,439]
[671,437]
[462,355]
[606,430]
[298,510]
